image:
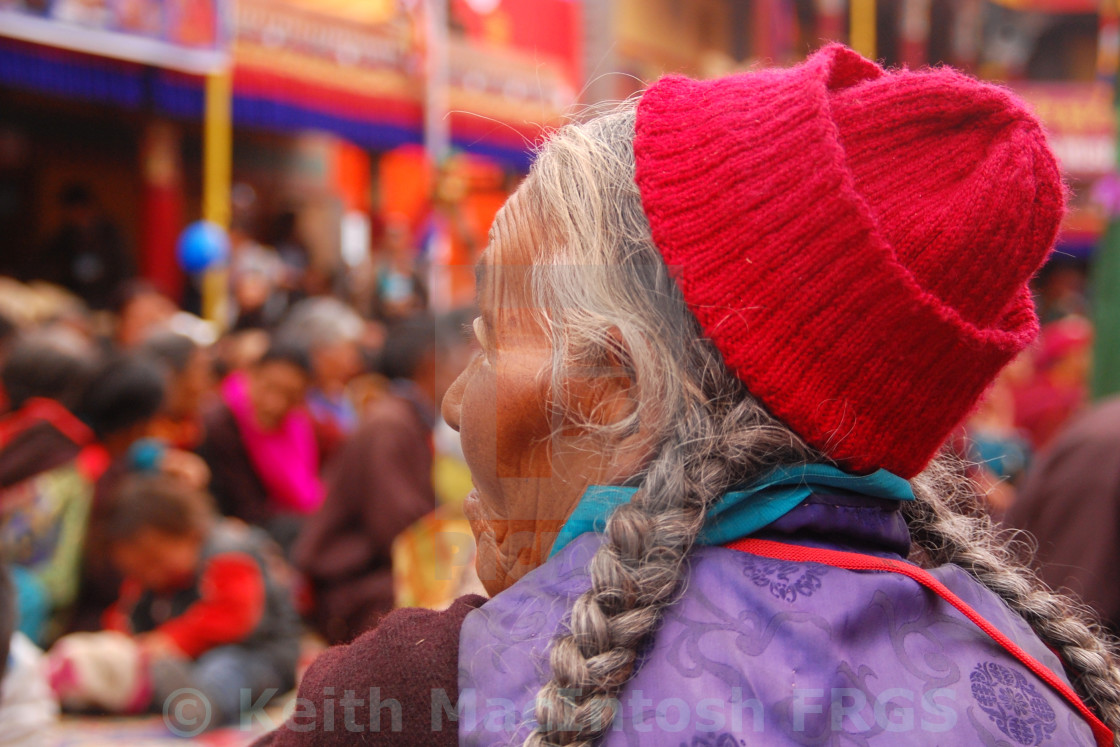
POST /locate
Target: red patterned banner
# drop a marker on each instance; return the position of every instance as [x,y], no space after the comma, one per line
[188,35]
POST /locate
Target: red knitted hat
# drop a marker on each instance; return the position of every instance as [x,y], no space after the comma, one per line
[856,243]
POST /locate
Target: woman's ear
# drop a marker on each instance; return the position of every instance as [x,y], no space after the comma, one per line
[604,398]
[616,395]
[601,396]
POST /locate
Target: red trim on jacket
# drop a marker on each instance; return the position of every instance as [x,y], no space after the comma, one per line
[861,562]
[40,410]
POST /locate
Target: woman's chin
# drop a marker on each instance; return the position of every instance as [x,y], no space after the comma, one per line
[476,515]
[493,578]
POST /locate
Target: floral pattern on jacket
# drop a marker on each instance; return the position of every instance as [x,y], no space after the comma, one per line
[762,652]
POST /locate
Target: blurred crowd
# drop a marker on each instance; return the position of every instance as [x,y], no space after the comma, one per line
[182,504]
[1033,398]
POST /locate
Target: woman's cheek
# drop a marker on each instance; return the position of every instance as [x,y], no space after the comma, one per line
[521,417]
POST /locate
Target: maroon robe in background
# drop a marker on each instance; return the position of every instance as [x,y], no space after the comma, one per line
[1070,502]
[379,484]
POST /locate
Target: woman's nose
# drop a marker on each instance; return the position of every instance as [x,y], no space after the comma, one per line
[453,400]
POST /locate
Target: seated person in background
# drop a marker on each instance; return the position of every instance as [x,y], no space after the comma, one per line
[400,290]
[53,363]
[118,405]
[190,379]
[433,559]
[380,483]
[9,335]
[256,279]
[205,600]
[331,333]
[141,310]
[49,462]
[28,709]
[1059,388]
[260,445]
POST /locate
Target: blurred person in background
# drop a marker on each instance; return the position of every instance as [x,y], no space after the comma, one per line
[381,481]
[259,443]
[50,461]
[1059,387]
[997,450]
[87,254]
[256,281]
[190,380]
[331,333]
[1059,288]
[399,288]
[39,304]
[8,616]
[120,402]
[9,333]
[140,310]
[433,559]
[28,709]
[51,362]
[205,604]
[239,351]
[292,250]
[1070,503]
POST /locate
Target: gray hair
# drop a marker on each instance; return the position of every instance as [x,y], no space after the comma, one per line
[321,321]
[609,305]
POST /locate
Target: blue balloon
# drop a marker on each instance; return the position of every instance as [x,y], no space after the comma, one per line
[202,246]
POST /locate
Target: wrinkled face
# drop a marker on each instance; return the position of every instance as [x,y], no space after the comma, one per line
[528,472]
[158,560]
[276,388]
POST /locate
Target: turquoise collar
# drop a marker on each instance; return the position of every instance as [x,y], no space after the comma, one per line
[740,512]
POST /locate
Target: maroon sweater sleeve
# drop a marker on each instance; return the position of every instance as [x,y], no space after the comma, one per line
[409,665]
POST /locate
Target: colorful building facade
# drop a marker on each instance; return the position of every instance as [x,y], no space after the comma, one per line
[316,84]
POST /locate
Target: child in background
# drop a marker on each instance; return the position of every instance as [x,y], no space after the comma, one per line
[205,603]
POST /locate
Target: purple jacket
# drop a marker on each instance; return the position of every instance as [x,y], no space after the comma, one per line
[770,652]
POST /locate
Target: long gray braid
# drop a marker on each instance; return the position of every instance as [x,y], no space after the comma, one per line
[608,302]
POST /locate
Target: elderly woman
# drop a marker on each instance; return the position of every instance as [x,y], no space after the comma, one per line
[723,334]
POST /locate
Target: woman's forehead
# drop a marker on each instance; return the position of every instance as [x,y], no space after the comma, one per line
[504,280]
[503,270]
